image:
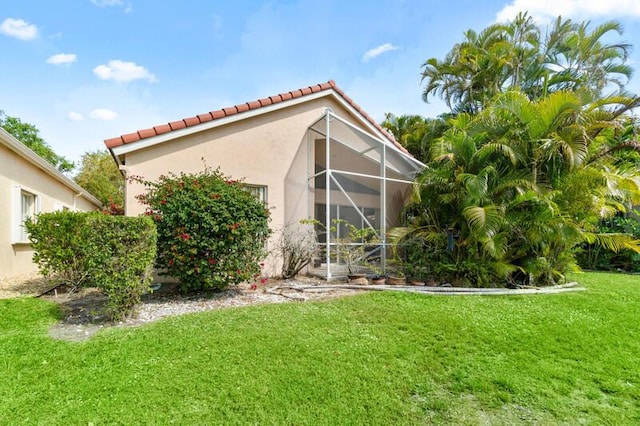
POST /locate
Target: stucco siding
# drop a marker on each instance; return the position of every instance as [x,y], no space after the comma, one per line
[17,174]
[270,149]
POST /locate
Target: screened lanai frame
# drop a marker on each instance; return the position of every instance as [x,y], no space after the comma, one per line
[352,170]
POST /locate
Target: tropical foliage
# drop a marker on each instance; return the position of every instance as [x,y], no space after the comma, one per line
[415,132]
[594,256]
[535,155]
[567,57]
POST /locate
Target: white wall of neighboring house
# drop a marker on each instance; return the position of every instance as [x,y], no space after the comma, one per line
[29,185]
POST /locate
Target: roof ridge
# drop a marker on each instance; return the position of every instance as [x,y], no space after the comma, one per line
[243,107]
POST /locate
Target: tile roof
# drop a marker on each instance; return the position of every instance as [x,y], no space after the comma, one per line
[240,108]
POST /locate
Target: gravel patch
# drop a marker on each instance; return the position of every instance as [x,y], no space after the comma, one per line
[83,311]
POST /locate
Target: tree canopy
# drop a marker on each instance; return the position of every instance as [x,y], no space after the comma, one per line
[519,55]
[541,145]
[29,135]
[100,176]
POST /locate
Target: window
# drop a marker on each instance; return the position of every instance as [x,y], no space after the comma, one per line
[59,207]
[27,204]
[260,192]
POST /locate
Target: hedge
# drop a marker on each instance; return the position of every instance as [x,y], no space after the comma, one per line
[112,253]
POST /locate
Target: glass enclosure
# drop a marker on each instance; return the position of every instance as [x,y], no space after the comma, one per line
[358,184]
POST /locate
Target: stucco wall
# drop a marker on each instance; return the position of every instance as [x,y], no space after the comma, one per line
[269,149]
[16,259]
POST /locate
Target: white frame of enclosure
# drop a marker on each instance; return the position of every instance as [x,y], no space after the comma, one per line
[388,149]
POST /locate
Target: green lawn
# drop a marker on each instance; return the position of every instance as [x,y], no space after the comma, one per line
[378,358]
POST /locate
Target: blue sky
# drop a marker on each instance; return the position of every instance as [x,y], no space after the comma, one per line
[86,70]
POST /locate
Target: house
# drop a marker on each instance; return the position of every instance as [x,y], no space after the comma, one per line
[30,185]
[308,153]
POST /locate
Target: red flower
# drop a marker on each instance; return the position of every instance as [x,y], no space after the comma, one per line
[163,202]
[212,261]
[185,236]
[263,280]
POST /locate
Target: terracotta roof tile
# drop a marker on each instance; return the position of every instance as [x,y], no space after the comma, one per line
[205,117]
[191,121]
[218,114]
[113,142]
[146,133]
[237,109]
[163,128]
[176,125]
[130,137]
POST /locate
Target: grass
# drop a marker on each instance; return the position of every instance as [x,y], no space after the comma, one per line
[379,358]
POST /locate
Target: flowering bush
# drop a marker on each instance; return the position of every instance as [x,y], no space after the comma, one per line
[259,280]
[211,232]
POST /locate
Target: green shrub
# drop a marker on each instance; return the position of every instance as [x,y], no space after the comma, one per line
[113,253]
[592,256]
[121,251]
[57,239]
[211,232]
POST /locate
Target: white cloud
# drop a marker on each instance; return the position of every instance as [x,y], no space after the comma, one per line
[109,3]
[547,10]
[75,116]
[103,114]
[19,29]
[62,58]
[377,51]
[124,72]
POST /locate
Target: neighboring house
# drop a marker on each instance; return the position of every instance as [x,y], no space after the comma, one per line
[30,185]
[289,148]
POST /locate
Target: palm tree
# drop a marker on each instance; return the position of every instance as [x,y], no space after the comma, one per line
[516,56]
[415,132]
[519,185]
